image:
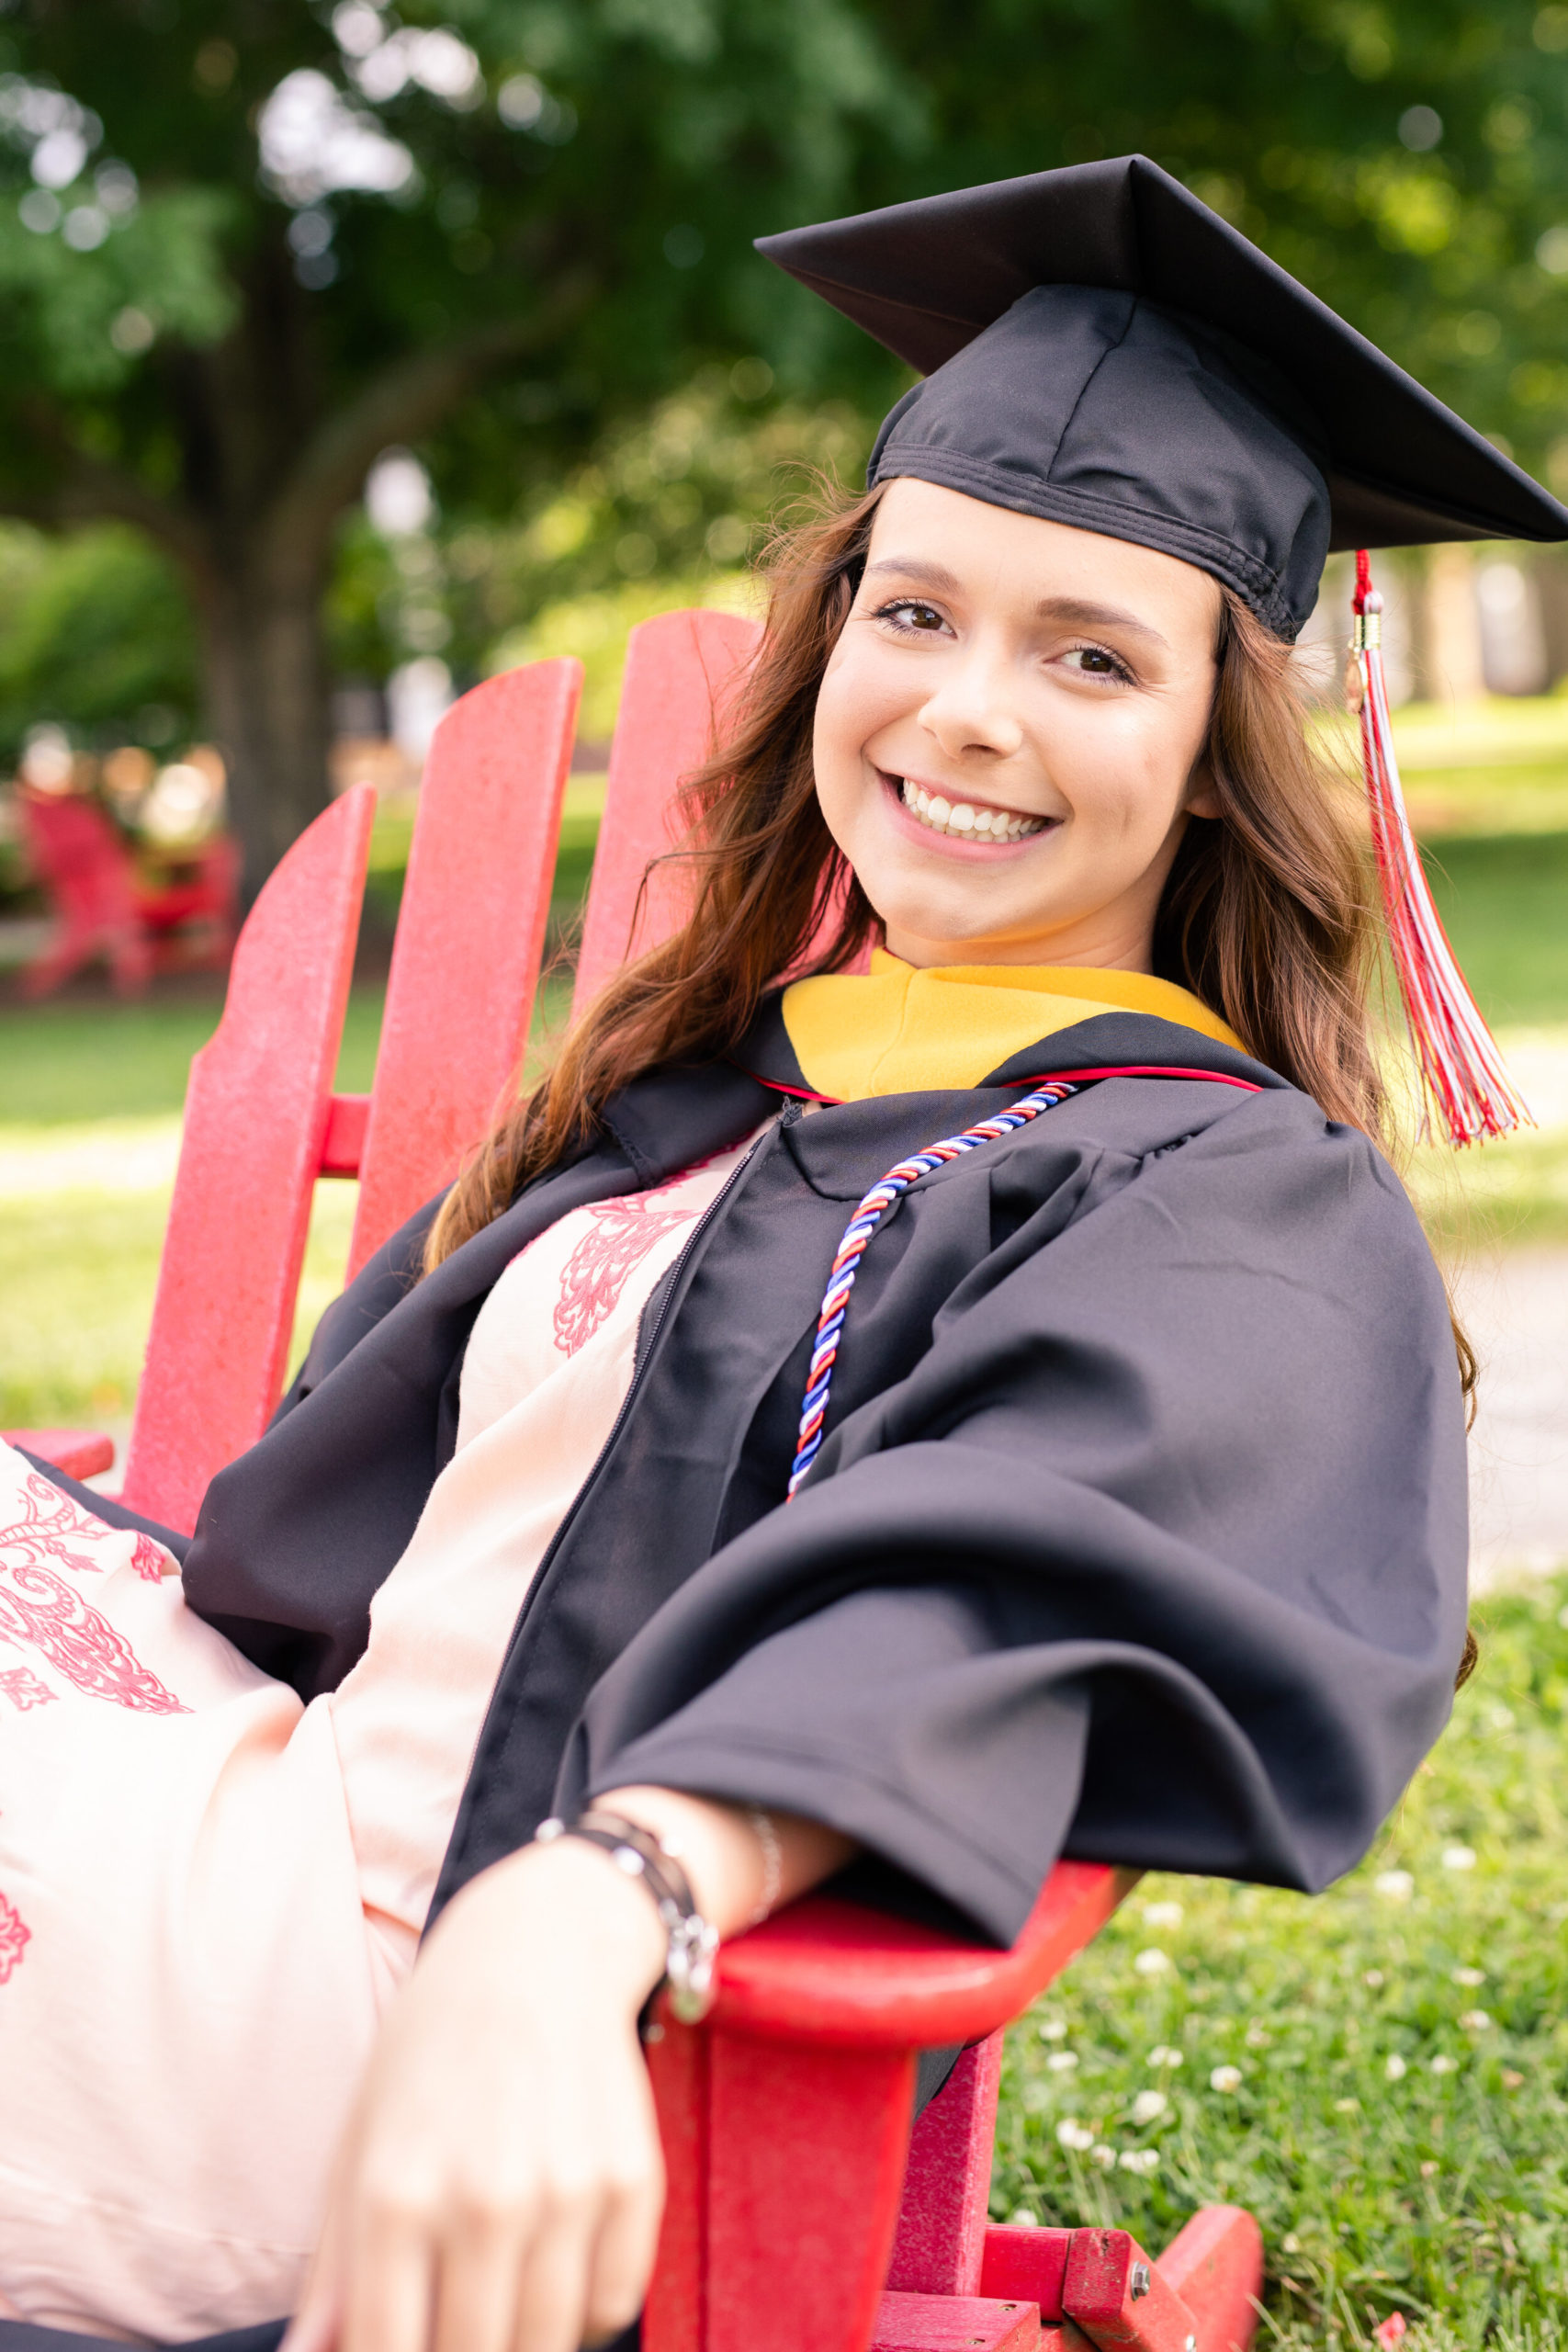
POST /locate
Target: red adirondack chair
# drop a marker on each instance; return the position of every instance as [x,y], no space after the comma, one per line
[105,908]
[801,2218]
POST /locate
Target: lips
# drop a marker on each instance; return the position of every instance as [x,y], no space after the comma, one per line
[967,821]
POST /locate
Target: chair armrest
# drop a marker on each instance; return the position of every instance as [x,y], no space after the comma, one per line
[80,1453]
[825,1971]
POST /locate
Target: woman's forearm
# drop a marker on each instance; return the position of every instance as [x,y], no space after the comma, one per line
[742,1865]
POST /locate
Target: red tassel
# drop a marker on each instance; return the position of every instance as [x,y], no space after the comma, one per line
[1464,1083]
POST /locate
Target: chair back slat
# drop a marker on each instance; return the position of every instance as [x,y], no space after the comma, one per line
[256,1114]
[680,667]
[947,2186]
[470,937]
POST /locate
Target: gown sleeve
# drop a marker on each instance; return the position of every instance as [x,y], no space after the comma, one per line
[1156,1555]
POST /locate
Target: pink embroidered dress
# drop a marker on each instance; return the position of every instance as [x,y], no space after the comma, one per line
[209,1890]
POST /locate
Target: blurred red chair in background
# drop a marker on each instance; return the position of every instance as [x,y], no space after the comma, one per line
[104,907]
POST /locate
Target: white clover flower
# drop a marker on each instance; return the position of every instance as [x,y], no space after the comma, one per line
[1061,2062]
[1162,1914]
[1024,2219]
[1374,1977]
[1152,1963]
[1459,1857]
[1396,1886]
[1074,2136]
[1443,2065]
[1162,2054]
[1053,2029]
[1225,2078]
[1104,2155]
[1256,2038]
[1148,2105]
[1475,2021]
[1394,2067]
[1470,1976]
[1139,2159]
[1346,2107]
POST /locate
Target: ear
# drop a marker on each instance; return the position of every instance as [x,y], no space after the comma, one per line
[1201,798]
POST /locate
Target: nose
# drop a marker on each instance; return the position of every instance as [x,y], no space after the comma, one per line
[972,707]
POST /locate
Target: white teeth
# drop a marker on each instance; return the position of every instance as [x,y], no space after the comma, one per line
[962,817]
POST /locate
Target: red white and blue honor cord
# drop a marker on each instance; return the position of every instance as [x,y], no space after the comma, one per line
[858,1232]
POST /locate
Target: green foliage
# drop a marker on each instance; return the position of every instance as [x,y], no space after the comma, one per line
[507,231]
[1442,234]
[604,164]
[163,261]
[96,633]
[665,516]
[1395,2110]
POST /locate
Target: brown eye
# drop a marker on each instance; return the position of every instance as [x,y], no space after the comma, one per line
[909,614]
[1096,662]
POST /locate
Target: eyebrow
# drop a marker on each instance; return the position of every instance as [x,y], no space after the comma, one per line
[1075,612]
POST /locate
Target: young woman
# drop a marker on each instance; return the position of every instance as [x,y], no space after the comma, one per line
[1115,1507]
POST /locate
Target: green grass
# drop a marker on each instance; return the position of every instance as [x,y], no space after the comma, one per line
[1400,2130]
[79,1252]
[77,1274]
[62,1063]
[1505,903]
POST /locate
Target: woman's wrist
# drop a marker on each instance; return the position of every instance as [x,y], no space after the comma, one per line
[741,1863]
[565,1914]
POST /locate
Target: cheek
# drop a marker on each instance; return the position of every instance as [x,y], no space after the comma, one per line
[1131,787]
[861,693]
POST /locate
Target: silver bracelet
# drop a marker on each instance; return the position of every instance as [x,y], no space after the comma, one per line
[767,1836]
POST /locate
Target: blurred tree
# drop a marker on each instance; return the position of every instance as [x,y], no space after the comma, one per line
[667,510]
[247,244]
[1408,158]
[1408,161]
[96,632]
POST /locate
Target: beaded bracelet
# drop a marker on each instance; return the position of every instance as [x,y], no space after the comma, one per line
[763,1829]
[692,1942]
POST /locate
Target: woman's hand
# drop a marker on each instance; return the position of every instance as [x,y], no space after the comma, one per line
[500,2185]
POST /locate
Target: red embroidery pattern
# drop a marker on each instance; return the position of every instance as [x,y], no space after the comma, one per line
[40,1608]
[22,1687]
[619,1238]
[149,1560]
[48,1519]
[13,1936]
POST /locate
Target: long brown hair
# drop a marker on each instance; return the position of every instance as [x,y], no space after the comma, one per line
[1266,916]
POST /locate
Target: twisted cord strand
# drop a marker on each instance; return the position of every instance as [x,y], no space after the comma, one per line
[868,1215]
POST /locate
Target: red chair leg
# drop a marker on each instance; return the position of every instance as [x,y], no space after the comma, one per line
[1215,2265]
[1201,2296]
[797,2157]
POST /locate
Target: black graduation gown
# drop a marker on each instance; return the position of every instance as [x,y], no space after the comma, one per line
[1139,1532]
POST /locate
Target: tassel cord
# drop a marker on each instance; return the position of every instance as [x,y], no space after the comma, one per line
[1463,1079]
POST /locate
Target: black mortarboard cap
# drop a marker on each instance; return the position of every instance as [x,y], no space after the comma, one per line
[1101,348]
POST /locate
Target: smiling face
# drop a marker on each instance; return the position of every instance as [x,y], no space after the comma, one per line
[1010,730]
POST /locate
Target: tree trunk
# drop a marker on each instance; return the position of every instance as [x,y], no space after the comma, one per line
[268,702]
